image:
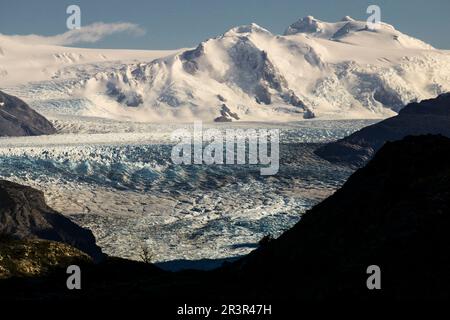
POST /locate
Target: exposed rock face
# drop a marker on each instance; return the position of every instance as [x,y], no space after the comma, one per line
[226,115]
[18,119]
[25,215]
[393,213]
[427,117]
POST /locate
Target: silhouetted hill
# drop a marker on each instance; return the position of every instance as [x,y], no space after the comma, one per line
[18,119]
[427,117]
[394,213]
[25,215]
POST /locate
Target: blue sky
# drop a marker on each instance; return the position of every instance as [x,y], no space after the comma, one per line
[184,23]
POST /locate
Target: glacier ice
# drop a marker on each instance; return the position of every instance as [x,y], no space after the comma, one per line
[116,178]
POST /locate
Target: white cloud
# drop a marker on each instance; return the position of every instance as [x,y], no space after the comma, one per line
[87,34]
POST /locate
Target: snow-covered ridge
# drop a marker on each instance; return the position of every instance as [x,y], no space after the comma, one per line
[350,30]
[329,70]
[338,70]
[118,180]
[21,62]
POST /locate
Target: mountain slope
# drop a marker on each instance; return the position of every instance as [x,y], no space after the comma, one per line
[328,70]
[32,258]
[25,215]
[18,119]
[22,62]
[393,213]
[427,117]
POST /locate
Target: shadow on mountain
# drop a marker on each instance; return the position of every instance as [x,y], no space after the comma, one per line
[427,117]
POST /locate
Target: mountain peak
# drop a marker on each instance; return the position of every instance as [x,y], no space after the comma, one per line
[308,24]
[247,28]
[25,215]
[18,119]
[261,75]
[347,19]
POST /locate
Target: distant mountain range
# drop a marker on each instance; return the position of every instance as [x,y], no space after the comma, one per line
[315,69]
[427,117]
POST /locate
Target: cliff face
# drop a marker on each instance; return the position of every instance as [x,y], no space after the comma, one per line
[427,117]
[394,213]
[18,119]
[25,215]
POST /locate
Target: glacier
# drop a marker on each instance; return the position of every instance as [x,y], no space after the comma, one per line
[316,69]
[108,168]
[117,179]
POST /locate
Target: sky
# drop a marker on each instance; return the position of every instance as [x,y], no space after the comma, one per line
[171,24]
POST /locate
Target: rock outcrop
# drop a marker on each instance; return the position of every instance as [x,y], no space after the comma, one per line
[18,119]
[25,215]
[427,117]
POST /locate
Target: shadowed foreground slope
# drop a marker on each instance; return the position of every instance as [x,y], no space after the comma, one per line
[25,215]
[394,213]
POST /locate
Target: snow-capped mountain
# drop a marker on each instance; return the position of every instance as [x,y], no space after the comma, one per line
[315,69]
[328,70]
[22,62]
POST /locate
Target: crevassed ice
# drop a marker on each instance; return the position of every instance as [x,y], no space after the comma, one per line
[126,190]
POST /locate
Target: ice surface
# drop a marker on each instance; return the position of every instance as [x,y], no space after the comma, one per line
[117,179]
